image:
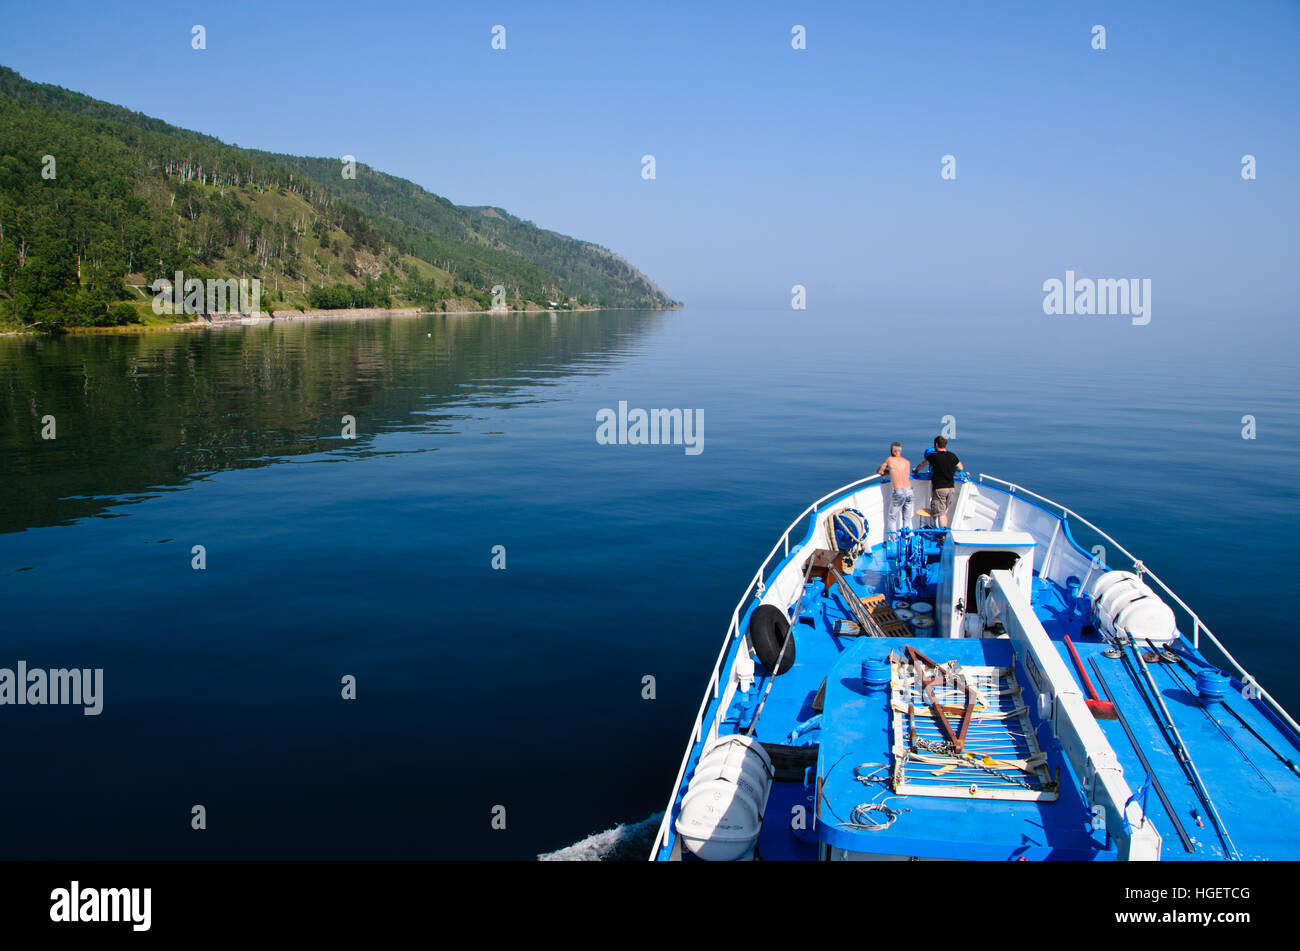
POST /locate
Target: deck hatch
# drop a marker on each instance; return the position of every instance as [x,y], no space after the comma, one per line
[1000,756]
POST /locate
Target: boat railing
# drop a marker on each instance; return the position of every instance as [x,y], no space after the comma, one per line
[714,689]
[755,588]
[1198,626]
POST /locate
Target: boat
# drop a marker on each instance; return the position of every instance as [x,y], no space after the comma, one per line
[992,690]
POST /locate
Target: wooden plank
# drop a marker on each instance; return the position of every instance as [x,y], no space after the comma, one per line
[884,615]
[992,735]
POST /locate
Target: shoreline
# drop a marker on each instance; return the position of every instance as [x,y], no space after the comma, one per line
[346,313]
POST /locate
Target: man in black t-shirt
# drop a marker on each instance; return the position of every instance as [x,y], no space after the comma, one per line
[943,466]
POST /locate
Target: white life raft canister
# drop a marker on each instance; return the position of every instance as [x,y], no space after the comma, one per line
[722,813]
[1123,603]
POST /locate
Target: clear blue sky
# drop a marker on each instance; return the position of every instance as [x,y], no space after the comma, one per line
[775,167]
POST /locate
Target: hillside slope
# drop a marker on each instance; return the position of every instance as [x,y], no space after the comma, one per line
[97,201]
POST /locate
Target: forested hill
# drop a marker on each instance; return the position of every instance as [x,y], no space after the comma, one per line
[96,202]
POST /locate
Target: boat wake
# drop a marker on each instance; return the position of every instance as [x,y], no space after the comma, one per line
[623,843]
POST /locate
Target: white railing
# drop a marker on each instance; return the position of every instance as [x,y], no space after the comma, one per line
[714,688]
[1198,626]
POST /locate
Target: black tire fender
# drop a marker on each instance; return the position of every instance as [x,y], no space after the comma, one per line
[768,630]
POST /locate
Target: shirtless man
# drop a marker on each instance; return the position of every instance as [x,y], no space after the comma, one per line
[899,471]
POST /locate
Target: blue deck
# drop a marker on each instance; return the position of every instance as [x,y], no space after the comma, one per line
[856,739]
[1249,784]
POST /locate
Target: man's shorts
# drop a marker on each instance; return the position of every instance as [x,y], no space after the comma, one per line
[940,499]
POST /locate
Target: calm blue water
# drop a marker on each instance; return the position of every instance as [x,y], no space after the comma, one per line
[522,687]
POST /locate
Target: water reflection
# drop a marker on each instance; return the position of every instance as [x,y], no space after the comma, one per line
[137,412]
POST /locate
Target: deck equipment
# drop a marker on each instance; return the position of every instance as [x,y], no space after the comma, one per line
[1024,711]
